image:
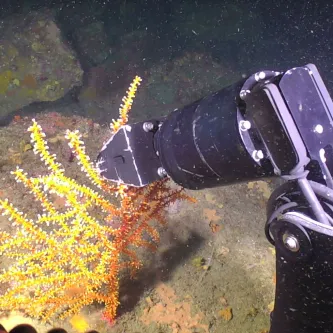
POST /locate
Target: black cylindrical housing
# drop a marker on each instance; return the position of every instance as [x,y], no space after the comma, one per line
[200,146]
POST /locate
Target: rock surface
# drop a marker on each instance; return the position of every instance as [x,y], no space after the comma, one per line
[35,62]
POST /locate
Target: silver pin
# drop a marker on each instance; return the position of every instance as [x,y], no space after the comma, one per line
[148,126]
[244,125]
[258,155]
[161,172]
[291,242]
[319,129]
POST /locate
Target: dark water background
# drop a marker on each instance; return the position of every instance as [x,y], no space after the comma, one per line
[292,30]
[244,35]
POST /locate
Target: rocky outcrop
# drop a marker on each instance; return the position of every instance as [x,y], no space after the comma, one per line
[35,62]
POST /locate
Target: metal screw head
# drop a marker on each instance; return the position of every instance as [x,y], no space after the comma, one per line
[148,126]
[291,242]
[161,172]
[319,129]
[244,125]
[258,155]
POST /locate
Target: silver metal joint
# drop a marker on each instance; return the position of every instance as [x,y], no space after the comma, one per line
[148,126]
[258,155]
[244,125]
[161,172]
[291,242]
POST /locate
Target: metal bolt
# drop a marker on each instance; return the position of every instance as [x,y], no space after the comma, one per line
[319,129]
[291,242]
[148,126]
[258,155]
[244,125]
[161,172]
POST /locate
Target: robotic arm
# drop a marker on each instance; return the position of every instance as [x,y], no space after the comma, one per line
[271,123]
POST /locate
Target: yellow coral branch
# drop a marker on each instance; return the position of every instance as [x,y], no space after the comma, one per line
[78,148]
[41,148]
[126,106]
[20,176]
[84,244]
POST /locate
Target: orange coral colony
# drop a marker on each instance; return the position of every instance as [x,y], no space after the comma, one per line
[76,248]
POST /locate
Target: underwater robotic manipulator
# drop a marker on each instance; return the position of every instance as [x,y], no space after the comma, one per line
[270,124]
